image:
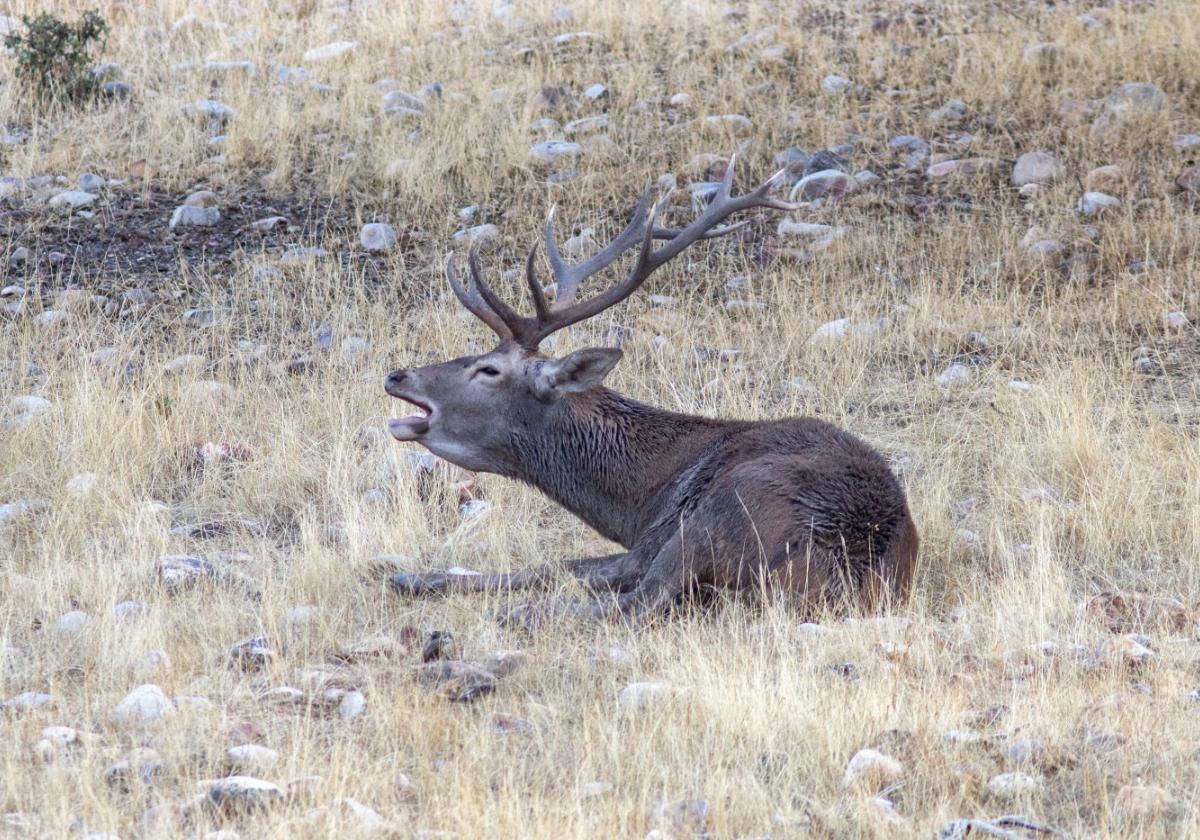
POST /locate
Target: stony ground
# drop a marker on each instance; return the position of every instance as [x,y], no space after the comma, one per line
[209,271]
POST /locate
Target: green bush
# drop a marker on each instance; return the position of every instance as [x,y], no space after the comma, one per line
[53,58]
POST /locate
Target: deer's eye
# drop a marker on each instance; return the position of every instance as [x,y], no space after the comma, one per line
[487,370]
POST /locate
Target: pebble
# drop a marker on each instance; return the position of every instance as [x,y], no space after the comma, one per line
[217,113]
[1095,203]
[189,362]
[27,700]
[90,182]
[1175,320]
[329,52]
[377,237]
[252,757]
[189,216]
[961,168]
[827,182]
[595,92]
[736,123]
[352,704]
[1139,800]
[477,234]
[955,375]
[637,696]
[834,84]
[951,114]
[555,152]
[196,318]
[1043,57]
[1036,168]
[1013,785]
[269,224]
[586,125]
[1130,107]
[873,768]
[72,199]
[145,705]
[235,794]
[681,818]
[71,622]
[1189,180]
[1105,179]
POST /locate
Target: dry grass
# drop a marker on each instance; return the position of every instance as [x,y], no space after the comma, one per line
[1028,503]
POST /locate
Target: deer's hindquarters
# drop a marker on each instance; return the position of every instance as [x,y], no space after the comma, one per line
[829,529]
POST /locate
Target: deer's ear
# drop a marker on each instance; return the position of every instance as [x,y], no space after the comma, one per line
[580,371]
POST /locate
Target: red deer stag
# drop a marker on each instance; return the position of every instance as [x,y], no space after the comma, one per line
[794,503]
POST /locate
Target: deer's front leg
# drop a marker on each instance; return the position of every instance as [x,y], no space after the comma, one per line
[592,571]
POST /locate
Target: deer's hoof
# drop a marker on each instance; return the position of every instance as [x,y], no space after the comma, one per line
[413,585]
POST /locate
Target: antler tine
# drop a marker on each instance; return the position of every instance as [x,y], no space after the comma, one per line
[511,318]
[535,288]
[474,304]
[568,277]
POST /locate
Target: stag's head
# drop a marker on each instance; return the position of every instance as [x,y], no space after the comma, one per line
[469,407]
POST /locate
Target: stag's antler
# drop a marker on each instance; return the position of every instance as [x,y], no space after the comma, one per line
[641,232]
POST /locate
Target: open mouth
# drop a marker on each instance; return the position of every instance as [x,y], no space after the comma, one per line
[414,425]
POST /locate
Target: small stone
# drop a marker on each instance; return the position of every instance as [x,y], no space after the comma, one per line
[1043,57]
[90,182]
[268,224]
[595,92]
[1189,180]
[237,794]
[835,84]
[1036,168]
[252,758]
[199,318]
[477,234]
[825,183]
[586,125]
[352,704]
[192,216]
[329,52]
[72,199]
[27,700]
[637,696]
[458,682]
[734,123]
[72,622]
[1131,107]
[252,654]
[681,818]
[1140,800]
[190,362]
[950,114]
[1014,785]
[377,237]
[217,113]
[595,790]
[555,152]
[680,100]
[145,705]
[1175,320]
[965,168]
[955,375]
[871,768]
[1094,203]
[1025,751]
[1019,386]
[116,89]
[1105,179]
[505,663]
[201,198]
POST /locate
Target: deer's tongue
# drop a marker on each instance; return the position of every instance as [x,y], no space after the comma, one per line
[410,427]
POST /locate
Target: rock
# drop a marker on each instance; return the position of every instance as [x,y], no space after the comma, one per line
[377,237]
[678,819]
[458,682]
[914,151]
[835,84]
[639,695]
[1133,107]
[145,705]
[190,362]
[188,216]
[1095,203]
[1036,168]
[951,114]
[72,622]
[1131,650]
[329,52]
[735,123]
[251,654]
[955,375]
[477,234]
[595,92]
[505,663]
[215,112]
[1123,612]
[1025,751]
[403,100]
[268,224]
[1140,800]
[596,789]
[27,700]
[555,152]
[352,704]
[1175,320]
[1105,179]
[201,198]
[586,125]
[252,758]
[72,199]
[825,183]
[26,409]
[1189,180]
[962,168]
[116,89]
[871,768]
[240,794]
[199,318]
[140,764]
[90,182]
[1014,785]
[1043,57]
[12,512]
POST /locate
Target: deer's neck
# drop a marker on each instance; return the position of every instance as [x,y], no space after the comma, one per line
[605,458]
